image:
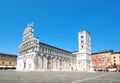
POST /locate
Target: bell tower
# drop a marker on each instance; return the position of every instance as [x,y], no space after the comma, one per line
[84,41]
[84,50]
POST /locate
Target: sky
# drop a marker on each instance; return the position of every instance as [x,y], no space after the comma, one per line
[57,23]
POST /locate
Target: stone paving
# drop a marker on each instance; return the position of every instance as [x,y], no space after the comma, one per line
[59,77]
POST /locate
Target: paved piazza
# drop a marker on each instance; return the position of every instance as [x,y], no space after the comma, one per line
[58,77]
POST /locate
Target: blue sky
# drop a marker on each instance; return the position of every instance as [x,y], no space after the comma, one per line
[57,22]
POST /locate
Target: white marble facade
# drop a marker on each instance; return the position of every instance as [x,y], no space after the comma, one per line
[37,56]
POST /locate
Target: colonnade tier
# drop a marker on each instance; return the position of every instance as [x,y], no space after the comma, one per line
[51,50]
[45,62]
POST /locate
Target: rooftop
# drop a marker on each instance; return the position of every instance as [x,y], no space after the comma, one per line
[7,54]
[55,47]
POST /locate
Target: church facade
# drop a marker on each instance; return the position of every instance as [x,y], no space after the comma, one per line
[34,55]
[37,56]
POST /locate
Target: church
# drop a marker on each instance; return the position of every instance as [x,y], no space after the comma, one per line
[34,55]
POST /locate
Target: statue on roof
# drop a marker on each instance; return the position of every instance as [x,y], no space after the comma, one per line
[30,24]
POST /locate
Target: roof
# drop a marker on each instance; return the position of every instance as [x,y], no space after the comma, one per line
[116,53]
[8,54]
[104,51]
[74,51]
[55,47]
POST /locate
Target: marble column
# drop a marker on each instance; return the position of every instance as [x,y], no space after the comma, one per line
[71,67]
[49,63]
[74,65]
[58,64]
[54,63]
[40,62]
[64,64]
[45,62]
[67,65]
[61,63]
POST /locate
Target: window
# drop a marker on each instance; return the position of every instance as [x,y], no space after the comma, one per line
[3,62]
[103,60]
[10,58]
[82,41]
[24,64]
[114,63]
[114,60]
[0,57]
[82,46]
[10,62]
[103,56]
[114,66]
[3,57]
[81,36]
[114,57]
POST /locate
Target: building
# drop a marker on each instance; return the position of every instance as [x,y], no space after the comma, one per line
[115,59]
[102,60]
[84,51]
[37,56]
[8,61]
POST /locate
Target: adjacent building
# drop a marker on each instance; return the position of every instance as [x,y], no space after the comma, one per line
[115,59]
[103,60]
[8,61]
[37,56]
